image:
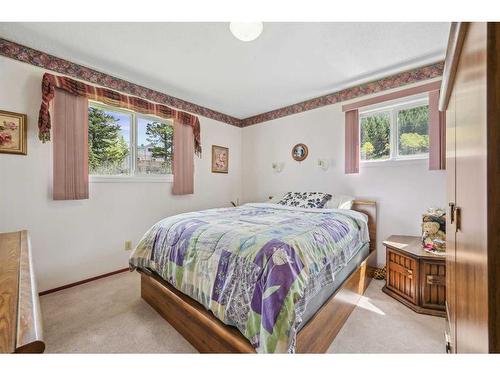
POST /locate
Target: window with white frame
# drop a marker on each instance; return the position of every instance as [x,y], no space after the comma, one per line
[125,143]
[395,132]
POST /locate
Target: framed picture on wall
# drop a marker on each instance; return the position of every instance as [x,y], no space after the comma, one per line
[220,159]
[13,133]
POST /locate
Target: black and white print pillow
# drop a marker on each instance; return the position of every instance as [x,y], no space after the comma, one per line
[305,200]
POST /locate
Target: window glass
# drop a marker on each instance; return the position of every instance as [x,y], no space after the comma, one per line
[413,131]
[154,146]
[122,142]
[375,136]
[109,142]
[395,132]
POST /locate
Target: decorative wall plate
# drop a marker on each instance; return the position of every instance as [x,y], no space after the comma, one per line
[299,152]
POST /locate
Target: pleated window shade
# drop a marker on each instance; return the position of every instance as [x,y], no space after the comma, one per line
[183,159]
[352,141]
[70,148]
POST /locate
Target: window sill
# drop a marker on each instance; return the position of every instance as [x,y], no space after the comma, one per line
[394,162]
[131,179]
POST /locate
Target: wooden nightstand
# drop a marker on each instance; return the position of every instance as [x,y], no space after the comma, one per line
[414,276]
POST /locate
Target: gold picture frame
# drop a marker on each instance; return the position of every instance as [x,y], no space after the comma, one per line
[220,159]
[13,133]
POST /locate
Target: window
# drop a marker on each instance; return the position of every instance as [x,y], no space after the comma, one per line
[125,143]
[396,132]
[154,146]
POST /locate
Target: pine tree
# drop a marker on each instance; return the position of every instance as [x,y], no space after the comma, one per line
[376,131]
[107,147]
[413,130]
[160,135]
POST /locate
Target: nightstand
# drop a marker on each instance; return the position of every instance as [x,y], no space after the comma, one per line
[414,276]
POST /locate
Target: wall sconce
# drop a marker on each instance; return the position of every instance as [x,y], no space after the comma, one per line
[278,166]
[323,164]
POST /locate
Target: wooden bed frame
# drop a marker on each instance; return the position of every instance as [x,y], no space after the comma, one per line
[209,335]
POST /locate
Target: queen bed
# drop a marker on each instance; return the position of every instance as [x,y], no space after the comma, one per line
[263,278]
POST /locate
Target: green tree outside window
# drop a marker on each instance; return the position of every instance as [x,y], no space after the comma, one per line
[412,129]
[108,149]
[413,125]
[375,136]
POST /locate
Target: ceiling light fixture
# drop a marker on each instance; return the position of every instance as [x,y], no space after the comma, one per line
[246,31]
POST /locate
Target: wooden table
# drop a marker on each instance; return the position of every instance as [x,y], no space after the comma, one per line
[414,276]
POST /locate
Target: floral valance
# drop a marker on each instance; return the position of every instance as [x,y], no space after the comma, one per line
[50,82]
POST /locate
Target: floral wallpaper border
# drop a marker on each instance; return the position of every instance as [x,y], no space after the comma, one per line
[387,83]
[46,61]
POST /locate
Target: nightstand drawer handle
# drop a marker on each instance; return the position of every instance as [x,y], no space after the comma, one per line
[401,270]
[435,280]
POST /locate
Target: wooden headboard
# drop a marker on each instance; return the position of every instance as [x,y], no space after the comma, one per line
[369,208]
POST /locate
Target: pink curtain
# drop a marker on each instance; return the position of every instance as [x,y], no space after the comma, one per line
[183,168]
[437,133]
[352,141]
[71,169]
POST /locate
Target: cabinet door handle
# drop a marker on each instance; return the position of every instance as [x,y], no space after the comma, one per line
[435,280]
[452,212]
[409,274]
[458,218]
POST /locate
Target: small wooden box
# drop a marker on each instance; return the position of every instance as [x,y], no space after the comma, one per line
[414,276]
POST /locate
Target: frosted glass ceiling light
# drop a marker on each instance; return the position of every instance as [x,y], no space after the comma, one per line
[246,31]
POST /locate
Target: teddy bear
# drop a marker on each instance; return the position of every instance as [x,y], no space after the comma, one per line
[432,236]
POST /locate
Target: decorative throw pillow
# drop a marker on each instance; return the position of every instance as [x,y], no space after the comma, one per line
[305,200]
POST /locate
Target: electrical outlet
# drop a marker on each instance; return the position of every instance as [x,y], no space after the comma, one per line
[128,245]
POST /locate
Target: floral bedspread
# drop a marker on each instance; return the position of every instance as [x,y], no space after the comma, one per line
[254,266]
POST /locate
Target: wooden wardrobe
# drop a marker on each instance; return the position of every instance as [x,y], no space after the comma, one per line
[471,98]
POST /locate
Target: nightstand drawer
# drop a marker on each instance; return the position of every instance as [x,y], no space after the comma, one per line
[402,273]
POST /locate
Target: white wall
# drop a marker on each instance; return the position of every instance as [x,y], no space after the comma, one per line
[403,190]
[74,240]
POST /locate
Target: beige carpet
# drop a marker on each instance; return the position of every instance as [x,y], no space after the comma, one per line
[108,316]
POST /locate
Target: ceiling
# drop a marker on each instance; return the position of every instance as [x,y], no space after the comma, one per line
[204,64]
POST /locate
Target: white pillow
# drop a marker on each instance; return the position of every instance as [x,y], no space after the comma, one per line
[340,201]
[274,199]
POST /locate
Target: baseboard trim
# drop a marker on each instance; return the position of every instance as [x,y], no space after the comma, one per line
[82,281]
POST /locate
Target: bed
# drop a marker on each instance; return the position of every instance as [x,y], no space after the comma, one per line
[260,278]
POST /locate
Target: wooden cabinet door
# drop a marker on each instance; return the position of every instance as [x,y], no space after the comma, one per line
[450,224]
[472,82]
[432,285]
[402,271]
[471,271]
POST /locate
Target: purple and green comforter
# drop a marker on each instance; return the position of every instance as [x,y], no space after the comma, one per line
[254,266]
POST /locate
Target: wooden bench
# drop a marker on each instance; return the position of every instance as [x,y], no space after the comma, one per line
[20,318]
